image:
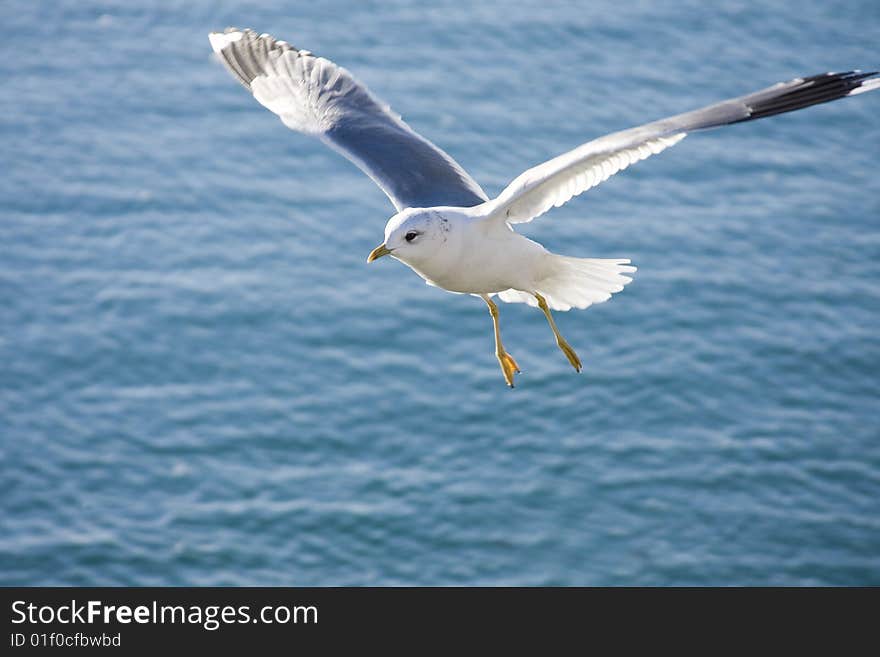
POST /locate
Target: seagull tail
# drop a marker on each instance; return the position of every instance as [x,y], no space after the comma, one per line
[575,282]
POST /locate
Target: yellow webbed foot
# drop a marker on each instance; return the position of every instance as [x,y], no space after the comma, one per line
[508,366]
[570,354]
[560,341]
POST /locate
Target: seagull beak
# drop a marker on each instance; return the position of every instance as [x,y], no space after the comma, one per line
[378,252]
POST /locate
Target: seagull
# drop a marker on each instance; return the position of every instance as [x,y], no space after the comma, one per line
[446,228]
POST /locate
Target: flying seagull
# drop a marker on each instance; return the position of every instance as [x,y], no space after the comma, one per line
[446,229]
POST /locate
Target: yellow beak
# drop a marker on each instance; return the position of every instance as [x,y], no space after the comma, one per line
[378,252]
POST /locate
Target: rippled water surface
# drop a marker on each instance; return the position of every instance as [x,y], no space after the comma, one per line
[202,382]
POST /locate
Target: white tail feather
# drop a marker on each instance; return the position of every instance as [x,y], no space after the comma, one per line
[575,282]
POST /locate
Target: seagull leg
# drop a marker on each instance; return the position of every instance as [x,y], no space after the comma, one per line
[560,341]
[508,365]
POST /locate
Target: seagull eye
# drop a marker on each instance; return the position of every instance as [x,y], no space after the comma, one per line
[411,235]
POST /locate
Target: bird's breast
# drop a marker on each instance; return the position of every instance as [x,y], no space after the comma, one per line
[483,266]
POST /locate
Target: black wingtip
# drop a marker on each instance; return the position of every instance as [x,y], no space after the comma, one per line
[812,90]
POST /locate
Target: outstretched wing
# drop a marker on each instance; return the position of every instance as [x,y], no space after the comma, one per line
[558,180]
[315,96]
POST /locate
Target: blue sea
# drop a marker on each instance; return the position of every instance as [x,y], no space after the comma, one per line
[203,383]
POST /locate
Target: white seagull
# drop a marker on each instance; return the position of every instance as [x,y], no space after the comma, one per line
[446,229]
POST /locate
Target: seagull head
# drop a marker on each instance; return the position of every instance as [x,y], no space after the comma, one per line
[413,235]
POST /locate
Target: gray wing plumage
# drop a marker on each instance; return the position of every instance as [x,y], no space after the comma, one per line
[556,181]
[315,96]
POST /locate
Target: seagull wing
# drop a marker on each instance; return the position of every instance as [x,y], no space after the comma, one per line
[558,180]
[315,96]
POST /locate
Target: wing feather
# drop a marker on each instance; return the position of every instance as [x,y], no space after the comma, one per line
[315,96]
[557,181]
